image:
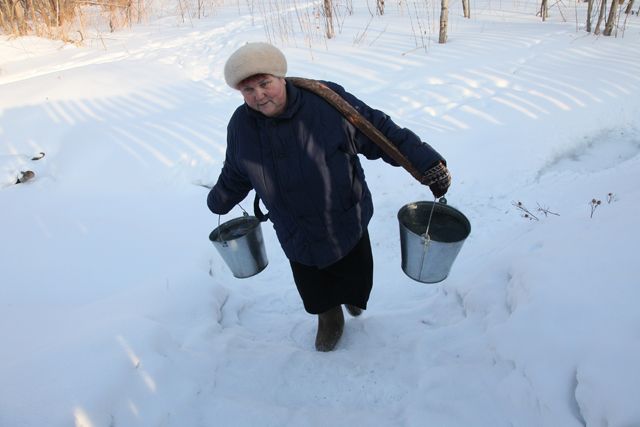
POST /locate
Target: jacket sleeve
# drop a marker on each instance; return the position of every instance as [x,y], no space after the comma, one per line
[233,184]
[419,153]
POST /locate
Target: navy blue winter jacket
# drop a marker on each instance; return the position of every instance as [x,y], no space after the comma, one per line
[304,166]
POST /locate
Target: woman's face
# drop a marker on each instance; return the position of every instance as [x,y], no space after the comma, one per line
[265,93]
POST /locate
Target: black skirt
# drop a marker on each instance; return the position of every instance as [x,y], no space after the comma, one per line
[347,281]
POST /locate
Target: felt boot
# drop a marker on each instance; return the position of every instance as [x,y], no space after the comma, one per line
[353,310]
[330,326]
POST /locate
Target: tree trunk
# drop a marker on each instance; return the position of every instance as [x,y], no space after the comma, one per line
[589,12]
[603,8]
[444,19]
[611,21]
[629,6]
[466,9]
[544,10]
[33,11]
[19,13]
[328,18]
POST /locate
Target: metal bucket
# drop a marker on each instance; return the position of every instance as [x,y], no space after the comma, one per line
[429,259]
[240,243]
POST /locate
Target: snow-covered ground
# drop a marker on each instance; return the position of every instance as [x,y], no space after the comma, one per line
[116,310]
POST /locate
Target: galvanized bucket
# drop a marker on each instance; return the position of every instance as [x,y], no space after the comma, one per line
[428,257]
[240,243]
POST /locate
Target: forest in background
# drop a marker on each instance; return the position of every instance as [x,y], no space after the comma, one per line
[72,20]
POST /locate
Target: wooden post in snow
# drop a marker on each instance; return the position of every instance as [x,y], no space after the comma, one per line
[603,8]
[589,12]
[611,20]
[629,7]
[466,9]
[544,10]
[444,19]
[328,18]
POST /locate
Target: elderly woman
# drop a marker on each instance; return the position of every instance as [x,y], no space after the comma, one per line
[300,155]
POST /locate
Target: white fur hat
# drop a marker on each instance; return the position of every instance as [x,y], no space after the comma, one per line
[252,59]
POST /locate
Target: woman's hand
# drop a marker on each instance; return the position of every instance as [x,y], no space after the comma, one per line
[438,179]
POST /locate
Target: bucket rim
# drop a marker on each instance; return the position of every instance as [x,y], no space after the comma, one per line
[217,232]
[439,206]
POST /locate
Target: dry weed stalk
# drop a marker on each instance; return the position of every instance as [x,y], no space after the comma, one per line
[317,21]
[594,205]
[420,29]
[59,19]
[526,213]
[611,198]
[545,210]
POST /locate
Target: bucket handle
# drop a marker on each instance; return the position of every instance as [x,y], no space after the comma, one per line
[244,213]
[435,200]
[426,239]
